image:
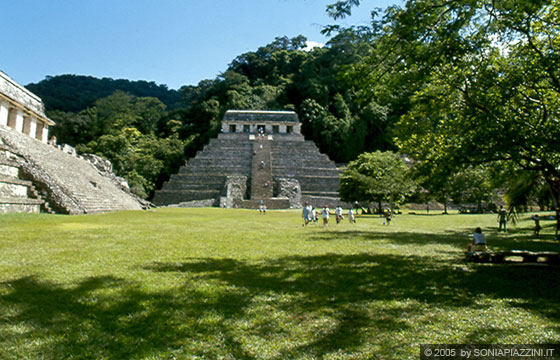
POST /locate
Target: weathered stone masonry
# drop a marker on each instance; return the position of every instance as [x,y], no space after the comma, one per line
[242,168]
[22,110]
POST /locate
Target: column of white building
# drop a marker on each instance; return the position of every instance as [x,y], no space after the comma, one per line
[21,110]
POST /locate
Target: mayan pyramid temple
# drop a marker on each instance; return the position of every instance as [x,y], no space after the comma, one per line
[260,157]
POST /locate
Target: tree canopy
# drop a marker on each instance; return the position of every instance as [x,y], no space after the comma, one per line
[473,82]
[376,177]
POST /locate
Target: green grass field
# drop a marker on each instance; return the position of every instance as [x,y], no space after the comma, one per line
[231,284]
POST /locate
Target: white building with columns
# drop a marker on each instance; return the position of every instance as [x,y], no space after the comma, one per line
[22,110]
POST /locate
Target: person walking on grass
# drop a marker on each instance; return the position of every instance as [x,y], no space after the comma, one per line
[388,216]
[314,215]
[351,218]
[537,221]
[325,214]
[338,212]
[306,213]
[502,219]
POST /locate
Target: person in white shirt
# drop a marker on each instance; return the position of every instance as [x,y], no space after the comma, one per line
[306,213]
[325,214]
[338,212]
[351,216]
[479,241]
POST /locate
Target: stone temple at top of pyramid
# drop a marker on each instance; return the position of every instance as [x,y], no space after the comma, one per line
[270,122]
[259,158]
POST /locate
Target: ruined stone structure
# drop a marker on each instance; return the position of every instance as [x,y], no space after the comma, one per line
[22,110]
[244,167]
[38,177]
[250,122]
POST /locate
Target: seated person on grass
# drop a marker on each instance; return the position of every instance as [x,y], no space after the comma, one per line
[479,241]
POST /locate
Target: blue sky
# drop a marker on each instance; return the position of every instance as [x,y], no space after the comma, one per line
[172,42]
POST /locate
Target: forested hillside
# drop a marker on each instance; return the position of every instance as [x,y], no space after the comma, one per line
[147,130]
[74,92]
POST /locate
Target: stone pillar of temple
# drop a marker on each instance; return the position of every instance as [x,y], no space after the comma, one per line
[32,126]
[45,136]
[12,113]
[26,125]
[38,134]
[19,120]
[4,113]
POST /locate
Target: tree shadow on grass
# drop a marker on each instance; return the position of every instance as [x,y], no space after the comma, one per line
[456,238]
[344,284]
[106,317]
[103,317]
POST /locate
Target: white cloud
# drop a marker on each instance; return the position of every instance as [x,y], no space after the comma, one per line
[309,45]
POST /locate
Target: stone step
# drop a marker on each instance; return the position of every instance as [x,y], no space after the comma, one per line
[232,146]
[19,205]
[198,178]
[230,155]
[295,150]
[225,163]
[15,180]
[319,185]
[8,162]
[216,170]
[301,172]
[14,188]
[299,153]
[176,185]
[165,197]
[231,139]
[219,162]
[333,194]
[302,163]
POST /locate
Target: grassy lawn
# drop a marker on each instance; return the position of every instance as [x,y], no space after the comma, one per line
[231,284]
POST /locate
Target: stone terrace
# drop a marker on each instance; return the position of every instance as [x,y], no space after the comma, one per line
[16,195]
[294,157]
[204,176]
[286,156]
[70,184]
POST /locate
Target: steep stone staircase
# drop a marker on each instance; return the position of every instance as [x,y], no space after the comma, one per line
[285,156]
[17,195]
[204,176]
[293,157]
[261,170]
[70,184]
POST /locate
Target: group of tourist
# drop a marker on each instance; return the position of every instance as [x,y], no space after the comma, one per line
[479,241]
[310,215]
[502,220]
